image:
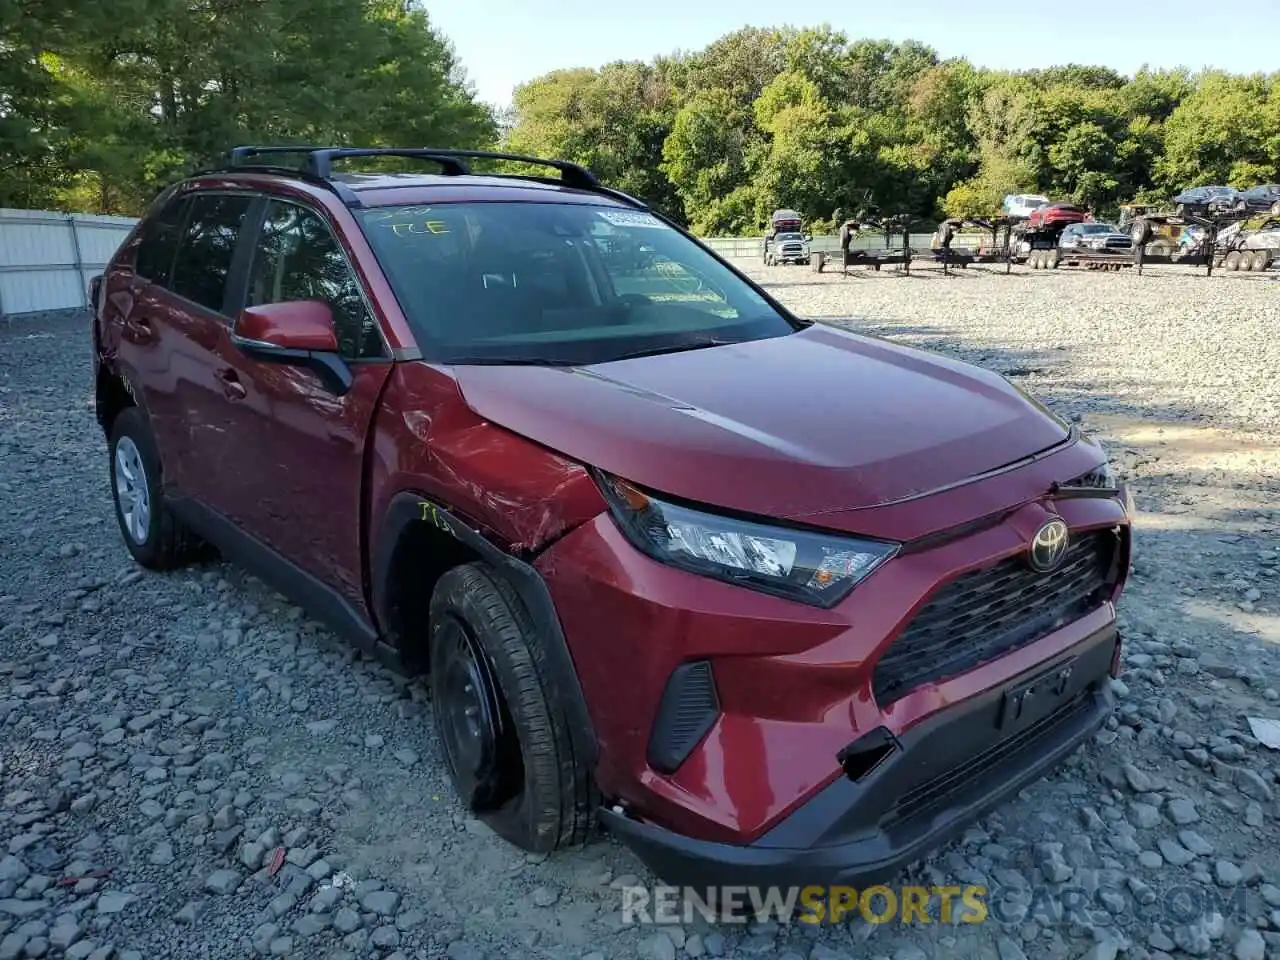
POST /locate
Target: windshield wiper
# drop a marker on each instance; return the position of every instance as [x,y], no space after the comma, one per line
[699,343]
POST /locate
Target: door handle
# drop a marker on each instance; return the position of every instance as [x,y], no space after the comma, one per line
[232,388]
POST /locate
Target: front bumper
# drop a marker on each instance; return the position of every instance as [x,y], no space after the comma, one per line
[946,772]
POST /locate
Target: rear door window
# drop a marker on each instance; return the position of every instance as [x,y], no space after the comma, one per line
[208,245]
[159,243]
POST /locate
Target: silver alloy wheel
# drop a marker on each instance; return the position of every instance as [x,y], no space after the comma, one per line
[132,494]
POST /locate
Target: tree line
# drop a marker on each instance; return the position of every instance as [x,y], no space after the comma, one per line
[103,104]
[810,120]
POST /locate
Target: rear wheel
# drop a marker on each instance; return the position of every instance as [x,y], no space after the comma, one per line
[1232,260]
[152,534]
[506,742]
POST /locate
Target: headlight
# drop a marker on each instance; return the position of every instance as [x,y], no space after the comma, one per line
[814,568]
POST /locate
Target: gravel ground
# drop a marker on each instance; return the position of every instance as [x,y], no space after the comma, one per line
[162,736]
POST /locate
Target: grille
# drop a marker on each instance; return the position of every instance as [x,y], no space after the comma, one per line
[934,792]
[986,613]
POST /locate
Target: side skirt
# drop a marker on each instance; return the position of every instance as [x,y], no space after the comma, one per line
[303,588]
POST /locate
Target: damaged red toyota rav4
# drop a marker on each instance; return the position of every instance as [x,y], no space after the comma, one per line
[772,602]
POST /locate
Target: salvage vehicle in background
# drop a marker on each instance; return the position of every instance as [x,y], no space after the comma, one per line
[1093,236]
[1208,201]
[1023,204]
[1264,198]
[1054,215]
[562,478]
[785,241]
[1251,245]
[787,248]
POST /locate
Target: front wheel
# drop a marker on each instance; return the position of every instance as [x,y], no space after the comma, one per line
[506,742]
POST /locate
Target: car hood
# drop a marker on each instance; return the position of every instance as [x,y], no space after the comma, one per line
[814,422]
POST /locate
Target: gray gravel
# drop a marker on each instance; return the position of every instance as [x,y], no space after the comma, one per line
[163,737]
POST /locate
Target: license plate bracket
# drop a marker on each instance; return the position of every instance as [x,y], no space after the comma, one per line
[1037,697]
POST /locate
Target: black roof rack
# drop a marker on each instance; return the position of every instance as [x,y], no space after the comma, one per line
[317,165]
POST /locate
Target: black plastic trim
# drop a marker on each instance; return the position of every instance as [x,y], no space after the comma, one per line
[566,692]
[672,739]
[847,832]
[307,590]
[333,371]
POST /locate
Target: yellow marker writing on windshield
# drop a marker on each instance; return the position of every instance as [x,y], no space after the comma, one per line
[436,227]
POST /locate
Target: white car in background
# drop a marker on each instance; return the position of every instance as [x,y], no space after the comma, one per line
[1021,204]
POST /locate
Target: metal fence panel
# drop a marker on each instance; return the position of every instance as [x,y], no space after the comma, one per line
[47,259]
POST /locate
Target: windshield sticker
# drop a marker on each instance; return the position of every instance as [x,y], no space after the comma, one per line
[628,218]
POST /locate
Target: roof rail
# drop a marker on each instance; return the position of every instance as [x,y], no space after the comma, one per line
[317,165]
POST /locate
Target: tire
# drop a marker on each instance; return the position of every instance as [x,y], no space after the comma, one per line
[1052,258]
[550,803]
[1262,260]
[1275,208]
[1232,260]
[1161,248]
[1247,260]
[154,537]
[1139,232]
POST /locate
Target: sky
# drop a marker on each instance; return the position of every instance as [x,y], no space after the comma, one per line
[503,43]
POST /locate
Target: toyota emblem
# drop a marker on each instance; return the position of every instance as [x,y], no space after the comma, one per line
[1049,546]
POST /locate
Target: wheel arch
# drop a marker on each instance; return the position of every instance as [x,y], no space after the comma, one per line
[418,540]
[112,393]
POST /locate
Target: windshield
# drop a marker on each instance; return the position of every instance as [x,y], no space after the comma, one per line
[790,236]
[558,283]
[1097,228]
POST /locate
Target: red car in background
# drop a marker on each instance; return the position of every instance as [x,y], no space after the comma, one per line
[1057,215]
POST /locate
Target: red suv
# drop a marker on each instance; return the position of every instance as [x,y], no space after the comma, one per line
[769,600]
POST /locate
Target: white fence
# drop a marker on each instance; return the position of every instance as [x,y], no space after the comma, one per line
[47,259]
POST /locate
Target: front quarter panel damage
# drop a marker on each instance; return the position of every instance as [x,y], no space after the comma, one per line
[517,494]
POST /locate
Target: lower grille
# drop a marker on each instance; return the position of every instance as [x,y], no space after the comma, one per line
[937,790]
[984,614]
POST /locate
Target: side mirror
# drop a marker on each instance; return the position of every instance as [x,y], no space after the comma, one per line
[808,238]
[297,333]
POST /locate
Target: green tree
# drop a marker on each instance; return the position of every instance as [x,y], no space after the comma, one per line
[116,103]
[1219,133]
